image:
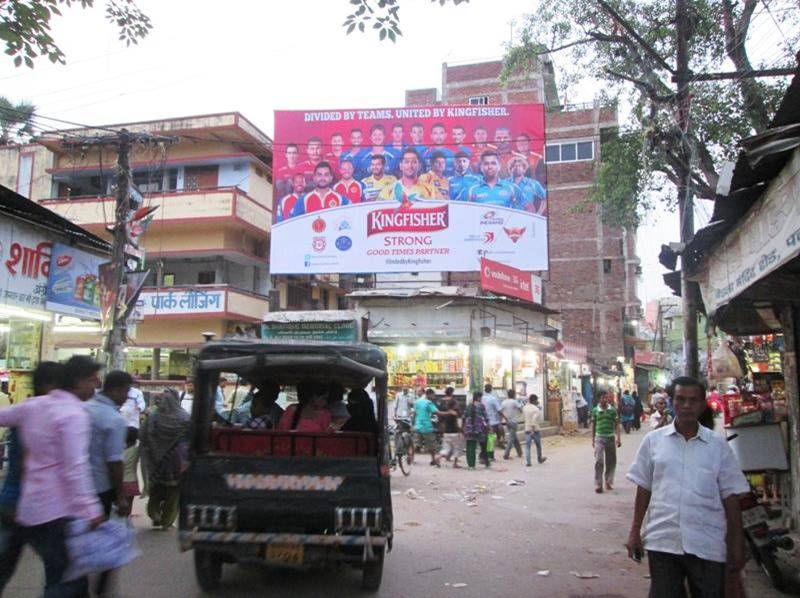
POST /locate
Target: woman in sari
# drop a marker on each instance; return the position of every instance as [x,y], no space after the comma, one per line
[164,448]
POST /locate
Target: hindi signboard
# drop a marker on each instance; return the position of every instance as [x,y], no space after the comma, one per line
[170,302]
[24,264]
[428,188]
[767,238]
[512,282]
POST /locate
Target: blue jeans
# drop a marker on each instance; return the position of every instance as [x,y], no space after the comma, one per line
[537,438]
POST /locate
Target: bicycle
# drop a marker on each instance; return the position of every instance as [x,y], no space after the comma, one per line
[403,446]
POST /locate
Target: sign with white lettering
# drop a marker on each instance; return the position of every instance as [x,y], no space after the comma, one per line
[24,264]
[424,188]
[766,239]
[164,302]
[511,282]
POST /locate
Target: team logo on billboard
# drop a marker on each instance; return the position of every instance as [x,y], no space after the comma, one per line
[344,224]
[407,219]
[491,217]
[488,237]
[514,233]
[344,243]
[319,225]
[318,244]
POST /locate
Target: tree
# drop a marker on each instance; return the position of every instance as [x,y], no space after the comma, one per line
[25,26]
[650,151]
[381,15]
[16,121]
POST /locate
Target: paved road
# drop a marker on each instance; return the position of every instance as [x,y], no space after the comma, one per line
[553,522]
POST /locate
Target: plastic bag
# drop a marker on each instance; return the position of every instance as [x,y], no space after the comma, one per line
[724,363]
[110,545]
[491,438]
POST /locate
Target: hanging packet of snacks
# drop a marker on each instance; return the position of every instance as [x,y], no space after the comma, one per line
[724,363]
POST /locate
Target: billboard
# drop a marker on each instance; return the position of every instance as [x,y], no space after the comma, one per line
[424,188]
[73,286]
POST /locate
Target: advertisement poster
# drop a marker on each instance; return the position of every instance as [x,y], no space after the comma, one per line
[511,282]
[426,188]
[73,286]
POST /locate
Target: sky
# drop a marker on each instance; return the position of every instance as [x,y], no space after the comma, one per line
[256,57]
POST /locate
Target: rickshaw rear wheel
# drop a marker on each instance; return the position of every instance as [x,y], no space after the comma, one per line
[372,574]
[207,569]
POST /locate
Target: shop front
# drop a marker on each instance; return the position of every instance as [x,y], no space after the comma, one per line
[30,237]
[747,265]
[455,337]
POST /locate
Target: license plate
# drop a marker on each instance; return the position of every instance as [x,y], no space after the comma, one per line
[285,554]
[754,516]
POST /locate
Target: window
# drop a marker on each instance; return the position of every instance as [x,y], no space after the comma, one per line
[479,100]
[571,151]
[25,174]
[208,277]
[168,280]
[606,266]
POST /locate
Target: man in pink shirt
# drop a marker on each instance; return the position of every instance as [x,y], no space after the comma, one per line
[57,483]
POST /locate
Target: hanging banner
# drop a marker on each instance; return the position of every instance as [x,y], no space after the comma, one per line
[73,285]
[108,291]
[511,282]
[429,188]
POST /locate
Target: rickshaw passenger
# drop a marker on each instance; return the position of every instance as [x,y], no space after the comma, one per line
[311,413]
[362,415]
[265,414]
[339,411]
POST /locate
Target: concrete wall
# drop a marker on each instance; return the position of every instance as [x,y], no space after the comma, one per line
[41,185]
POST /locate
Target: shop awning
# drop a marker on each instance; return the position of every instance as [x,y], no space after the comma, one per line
[14,205]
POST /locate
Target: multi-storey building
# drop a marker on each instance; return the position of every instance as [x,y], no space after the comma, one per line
[593,266]
[207,245]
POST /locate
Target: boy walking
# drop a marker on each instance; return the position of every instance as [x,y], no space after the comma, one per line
[605,427]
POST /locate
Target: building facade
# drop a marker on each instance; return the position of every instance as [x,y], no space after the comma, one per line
[593,267]
[208,242]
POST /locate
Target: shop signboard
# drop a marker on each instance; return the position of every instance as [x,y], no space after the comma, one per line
[509,281]
[311,331]
[172,302]
[651,358]
[24,264]
[766,239]
[426,188]
[73,285]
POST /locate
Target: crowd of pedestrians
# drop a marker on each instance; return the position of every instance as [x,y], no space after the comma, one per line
[73,453]
[446,431]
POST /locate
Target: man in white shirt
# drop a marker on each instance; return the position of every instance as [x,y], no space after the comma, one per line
[493,413]
[532,417]
[134,406]
[403,404]
[688,482]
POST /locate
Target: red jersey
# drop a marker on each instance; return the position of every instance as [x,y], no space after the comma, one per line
[354,190]
[286,206]
[313,201]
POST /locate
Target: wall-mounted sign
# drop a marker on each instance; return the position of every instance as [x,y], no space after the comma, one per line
[512,282]
[316,331]
[165,302]
[24,265]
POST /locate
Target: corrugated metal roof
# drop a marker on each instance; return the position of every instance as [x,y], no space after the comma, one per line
[13,205]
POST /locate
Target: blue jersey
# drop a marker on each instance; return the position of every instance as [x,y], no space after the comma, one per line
[501,194]
[449,159]
[356,156]
[460,184]
[366,161]
[530,194]
[396,153]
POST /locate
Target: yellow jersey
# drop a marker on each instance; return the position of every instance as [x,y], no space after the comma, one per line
[374,187]
[439,183]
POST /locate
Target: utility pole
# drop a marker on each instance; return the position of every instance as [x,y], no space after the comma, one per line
[123,141]
[116,334]
[683,32]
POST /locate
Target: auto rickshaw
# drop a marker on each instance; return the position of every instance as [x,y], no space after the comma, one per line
[286,498]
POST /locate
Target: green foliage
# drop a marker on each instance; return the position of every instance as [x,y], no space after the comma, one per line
[382,16]
[25,26]
[597,50]
[16,121]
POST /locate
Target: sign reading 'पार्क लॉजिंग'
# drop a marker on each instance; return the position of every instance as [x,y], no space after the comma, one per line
[428,188]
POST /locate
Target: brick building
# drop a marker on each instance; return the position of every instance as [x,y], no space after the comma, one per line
[593,267]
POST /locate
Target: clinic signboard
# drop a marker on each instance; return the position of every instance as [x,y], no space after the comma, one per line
[428,188]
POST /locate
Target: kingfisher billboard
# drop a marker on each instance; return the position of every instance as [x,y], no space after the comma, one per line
[425,188]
